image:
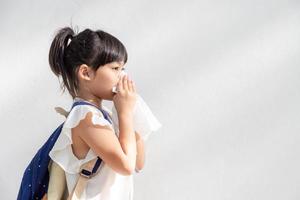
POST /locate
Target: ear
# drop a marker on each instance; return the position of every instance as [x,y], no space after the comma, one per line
[85,72]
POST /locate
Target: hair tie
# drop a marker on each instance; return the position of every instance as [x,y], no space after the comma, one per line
[69,40]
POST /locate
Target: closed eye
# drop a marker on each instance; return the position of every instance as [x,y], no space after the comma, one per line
[116,68]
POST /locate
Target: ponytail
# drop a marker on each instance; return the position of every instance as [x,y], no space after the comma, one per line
[57,54]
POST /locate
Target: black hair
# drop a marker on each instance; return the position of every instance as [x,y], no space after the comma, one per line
[93,48]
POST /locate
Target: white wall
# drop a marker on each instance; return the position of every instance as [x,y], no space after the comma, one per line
[221,76]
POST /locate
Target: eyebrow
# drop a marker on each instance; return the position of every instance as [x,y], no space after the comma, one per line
[117,65]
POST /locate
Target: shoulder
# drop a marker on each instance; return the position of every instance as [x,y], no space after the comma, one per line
[87,115]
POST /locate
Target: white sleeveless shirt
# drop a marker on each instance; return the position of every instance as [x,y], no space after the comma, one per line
[106,184]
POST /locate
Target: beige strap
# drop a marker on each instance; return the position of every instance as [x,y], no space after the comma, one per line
[82,180]
[62,111]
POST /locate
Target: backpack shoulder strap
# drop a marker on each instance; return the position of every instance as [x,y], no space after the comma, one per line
[106,114]
[87,171]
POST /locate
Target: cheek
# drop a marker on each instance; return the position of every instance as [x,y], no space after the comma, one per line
[103,88]
[105,82]
[111,78]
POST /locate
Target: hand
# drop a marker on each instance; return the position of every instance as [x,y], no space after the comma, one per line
[125,99]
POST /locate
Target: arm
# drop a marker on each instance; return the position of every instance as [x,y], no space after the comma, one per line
[140,148]
[118,153]
[140,157]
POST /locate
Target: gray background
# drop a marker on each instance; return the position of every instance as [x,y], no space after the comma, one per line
[221,76]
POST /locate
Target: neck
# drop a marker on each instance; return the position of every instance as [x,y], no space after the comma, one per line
[91,99]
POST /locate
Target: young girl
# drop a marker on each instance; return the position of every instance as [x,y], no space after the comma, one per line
[90,64]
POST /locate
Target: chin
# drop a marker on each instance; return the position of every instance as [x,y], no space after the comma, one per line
[110,96]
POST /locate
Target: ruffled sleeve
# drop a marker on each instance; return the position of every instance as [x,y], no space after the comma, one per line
[62,152]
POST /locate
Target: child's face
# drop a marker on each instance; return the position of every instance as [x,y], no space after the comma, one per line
[105,78]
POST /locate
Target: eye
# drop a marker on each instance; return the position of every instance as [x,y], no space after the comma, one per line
[116,68]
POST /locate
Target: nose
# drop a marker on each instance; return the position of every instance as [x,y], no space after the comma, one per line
[122,73]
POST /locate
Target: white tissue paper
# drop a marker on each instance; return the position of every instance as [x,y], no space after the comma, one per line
[144,122]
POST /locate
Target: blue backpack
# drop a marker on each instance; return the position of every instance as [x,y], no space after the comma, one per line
[34,184]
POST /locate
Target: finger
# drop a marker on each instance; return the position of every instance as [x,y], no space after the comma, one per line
[130,87]
[129,82]
[125,84]
[133,87]
[120,84]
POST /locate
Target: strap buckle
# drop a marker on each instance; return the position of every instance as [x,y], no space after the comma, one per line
[86,173]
